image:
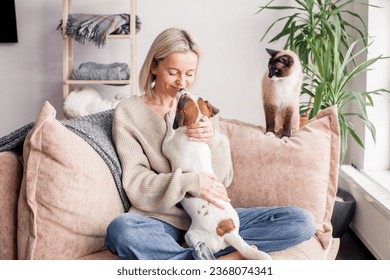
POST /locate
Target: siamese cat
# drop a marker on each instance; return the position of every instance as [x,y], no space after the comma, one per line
[281,88]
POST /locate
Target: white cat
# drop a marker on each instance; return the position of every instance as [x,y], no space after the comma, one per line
[86,101]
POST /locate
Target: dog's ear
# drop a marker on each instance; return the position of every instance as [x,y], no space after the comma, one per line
[175,125]
[206,108]
[214,110]
[178,121]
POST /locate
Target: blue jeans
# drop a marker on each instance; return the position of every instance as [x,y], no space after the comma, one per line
[132,236]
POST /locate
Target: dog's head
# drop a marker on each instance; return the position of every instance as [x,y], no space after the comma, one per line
[191,108]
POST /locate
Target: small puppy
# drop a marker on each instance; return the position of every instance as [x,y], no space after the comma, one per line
[217,228]
[281,88]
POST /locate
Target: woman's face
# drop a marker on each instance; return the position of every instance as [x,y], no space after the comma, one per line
[174,72]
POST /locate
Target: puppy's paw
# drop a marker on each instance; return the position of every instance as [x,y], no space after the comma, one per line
[284,139]
[271,134]
[169,117]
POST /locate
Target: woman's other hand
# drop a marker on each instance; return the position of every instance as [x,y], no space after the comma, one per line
[202,131]
[211,189]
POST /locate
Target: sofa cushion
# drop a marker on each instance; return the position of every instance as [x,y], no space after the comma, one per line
[302,172]
[11,172]
[68,195]
[308,250]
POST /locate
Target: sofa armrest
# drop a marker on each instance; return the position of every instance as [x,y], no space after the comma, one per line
[11,173]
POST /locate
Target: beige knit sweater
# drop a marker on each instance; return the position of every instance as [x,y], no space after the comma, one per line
[151,186]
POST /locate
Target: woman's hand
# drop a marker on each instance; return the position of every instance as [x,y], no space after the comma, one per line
[202,131]
[211,189]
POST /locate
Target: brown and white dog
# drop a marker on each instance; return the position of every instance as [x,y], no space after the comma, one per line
[215,227]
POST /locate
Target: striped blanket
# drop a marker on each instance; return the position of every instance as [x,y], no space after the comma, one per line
[95,28]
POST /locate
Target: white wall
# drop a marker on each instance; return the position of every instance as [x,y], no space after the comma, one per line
[229,33]
[30,70]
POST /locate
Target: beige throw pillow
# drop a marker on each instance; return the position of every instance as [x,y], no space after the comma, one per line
[68,195]
[301,172]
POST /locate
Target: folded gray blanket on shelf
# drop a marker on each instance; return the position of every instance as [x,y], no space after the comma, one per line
[95,130]
[96,71]
[95,28]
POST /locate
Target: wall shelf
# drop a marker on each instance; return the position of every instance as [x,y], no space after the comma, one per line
[68,53]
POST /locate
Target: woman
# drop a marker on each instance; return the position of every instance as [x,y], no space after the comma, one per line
[155,226]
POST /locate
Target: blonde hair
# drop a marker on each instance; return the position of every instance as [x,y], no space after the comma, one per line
[167,42]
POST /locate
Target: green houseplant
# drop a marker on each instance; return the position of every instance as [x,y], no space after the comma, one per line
[318,31]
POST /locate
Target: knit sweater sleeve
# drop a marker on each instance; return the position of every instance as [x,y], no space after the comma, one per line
[146,176]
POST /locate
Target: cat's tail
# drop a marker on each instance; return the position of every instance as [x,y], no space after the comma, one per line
[247,251]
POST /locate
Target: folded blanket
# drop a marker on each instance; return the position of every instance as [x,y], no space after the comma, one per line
[95,28]
[95,130]
[95,71]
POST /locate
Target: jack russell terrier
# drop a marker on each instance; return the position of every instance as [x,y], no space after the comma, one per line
[215,227]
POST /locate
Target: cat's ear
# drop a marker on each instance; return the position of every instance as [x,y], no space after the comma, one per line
[271,52]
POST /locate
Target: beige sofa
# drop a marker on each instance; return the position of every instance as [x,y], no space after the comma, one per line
[58,196]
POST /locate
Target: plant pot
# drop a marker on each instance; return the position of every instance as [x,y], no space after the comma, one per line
[303,120]
[343,211]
